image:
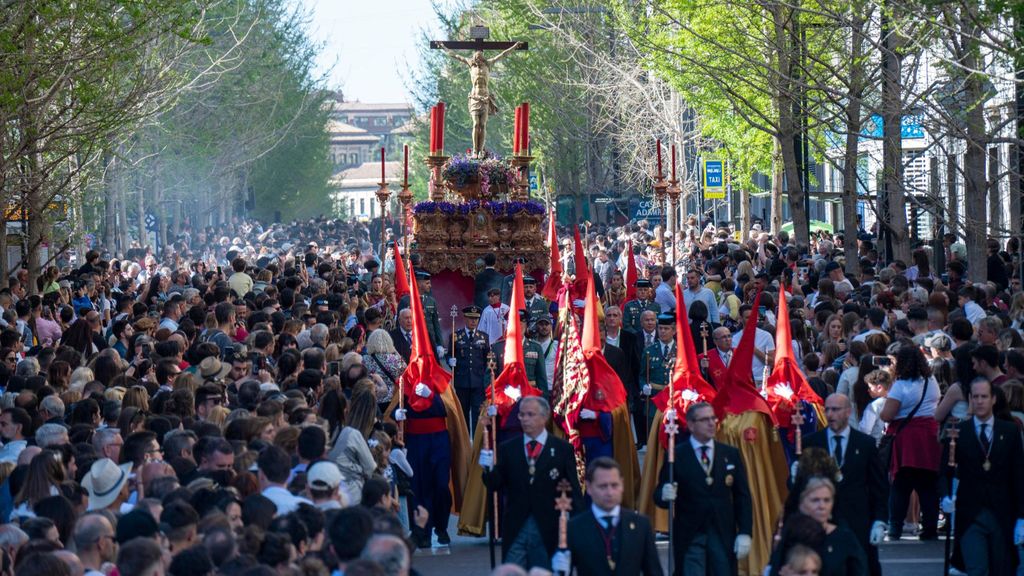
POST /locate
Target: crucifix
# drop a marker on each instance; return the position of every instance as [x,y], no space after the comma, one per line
[481,102]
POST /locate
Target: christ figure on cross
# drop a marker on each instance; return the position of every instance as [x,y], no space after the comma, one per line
[481,101]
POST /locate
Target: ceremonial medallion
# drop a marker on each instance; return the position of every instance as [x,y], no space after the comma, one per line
[611,564]
[728,480]
[986,466]
[532,469]
[709,480]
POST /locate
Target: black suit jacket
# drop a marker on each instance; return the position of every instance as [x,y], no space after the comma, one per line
[628,345]
[401,345]
[633,548]
[487,278]
[1000,488]
[862,496]
[617,360]
[724,507]
[523,499]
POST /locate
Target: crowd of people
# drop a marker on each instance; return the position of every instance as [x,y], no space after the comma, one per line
[234,404]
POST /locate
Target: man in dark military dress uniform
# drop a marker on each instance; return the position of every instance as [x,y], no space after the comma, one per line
[429,311]
[635,308]
[469,361]
[533,359]
[657,362]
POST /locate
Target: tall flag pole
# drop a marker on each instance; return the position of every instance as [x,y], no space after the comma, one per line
[401,280]
[631,273]
[423,367]
[512,384]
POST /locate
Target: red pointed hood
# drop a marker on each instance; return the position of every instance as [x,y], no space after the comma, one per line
[513,375]
[554,281]
[606,391]
[423,367]
[631,273]
[688,386]
[787,383]
[738,395]
[401,280]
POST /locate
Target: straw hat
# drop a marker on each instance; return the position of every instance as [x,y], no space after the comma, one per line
[104,482]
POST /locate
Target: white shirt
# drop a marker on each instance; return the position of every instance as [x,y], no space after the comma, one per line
[493,321]
[845,435]
[988,428]
[285,501]
[764,342]
[697,449]
[973,312]
[704,295]
[600,515]
[550,348]
[864,335]
[12,450]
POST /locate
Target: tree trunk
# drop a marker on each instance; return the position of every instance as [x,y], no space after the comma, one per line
[952,196]
[897,245]
[122,206]
[776,197]
[974,157]
[995,204]
[744,214]
[109,199]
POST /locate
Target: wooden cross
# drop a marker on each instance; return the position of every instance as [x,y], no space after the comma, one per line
[564,506]
[952,432]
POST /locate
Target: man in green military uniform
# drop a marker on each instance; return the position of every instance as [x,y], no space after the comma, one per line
[635,308]
[533,359]
[429,311]
[536,305]
[657,363]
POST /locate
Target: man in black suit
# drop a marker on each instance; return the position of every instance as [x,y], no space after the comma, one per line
[469,363]
[714,522]
[487,278]
[607,539]
[988,502]
[527,474]
[402,334]
[862,493]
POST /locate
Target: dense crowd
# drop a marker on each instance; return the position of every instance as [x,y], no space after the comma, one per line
[224,406]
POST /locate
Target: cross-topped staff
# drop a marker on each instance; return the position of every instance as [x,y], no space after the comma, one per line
[704,335]
[481,102]
[491,431]
[564,506]
[952,432]
[671,429]
[797,419]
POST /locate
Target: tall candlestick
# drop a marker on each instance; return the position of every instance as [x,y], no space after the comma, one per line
[659,158]
[673,162]
[433,128]
[524,140]
[515,130]
[382,165]
[440,127]
[405,150]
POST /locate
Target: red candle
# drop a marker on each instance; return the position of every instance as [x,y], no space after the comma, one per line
[433,129]
[405,150]
[659,158]
[440,127]
[515,130]
[524,140]
[673,161]
[382,165]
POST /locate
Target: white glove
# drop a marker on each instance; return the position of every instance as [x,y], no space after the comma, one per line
[440,351]
[794,468]
[486,459]
[948,505]
[588,414]
[399,414]
[877,532]
[1018,533]
[513,393]
[492,410]
[670,415]
[668,492]
[647,390]
[451,362]
[561,562]
[422,390]
[742,546]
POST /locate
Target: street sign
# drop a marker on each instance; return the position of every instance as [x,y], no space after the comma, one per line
[714,179]
[645,209]
[151,222]
[534,183]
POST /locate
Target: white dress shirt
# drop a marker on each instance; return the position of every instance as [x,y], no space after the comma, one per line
[600,514]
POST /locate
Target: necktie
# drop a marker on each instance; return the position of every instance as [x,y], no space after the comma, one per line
[704,460]
[608,521]
[408,337]
[533,449]
[726,356]
[986,444]
[650,339]
[838,452]
[664,350]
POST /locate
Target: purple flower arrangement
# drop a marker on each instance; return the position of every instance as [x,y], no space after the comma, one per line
[498,209]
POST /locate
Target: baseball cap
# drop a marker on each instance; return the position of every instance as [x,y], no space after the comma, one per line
[324,475]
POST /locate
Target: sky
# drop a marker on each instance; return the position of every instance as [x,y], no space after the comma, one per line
[370,43]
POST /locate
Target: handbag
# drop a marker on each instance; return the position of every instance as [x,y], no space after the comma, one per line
[885,444]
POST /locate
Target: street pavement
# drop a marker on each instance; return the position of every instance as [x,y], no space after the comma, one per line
[908,557]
